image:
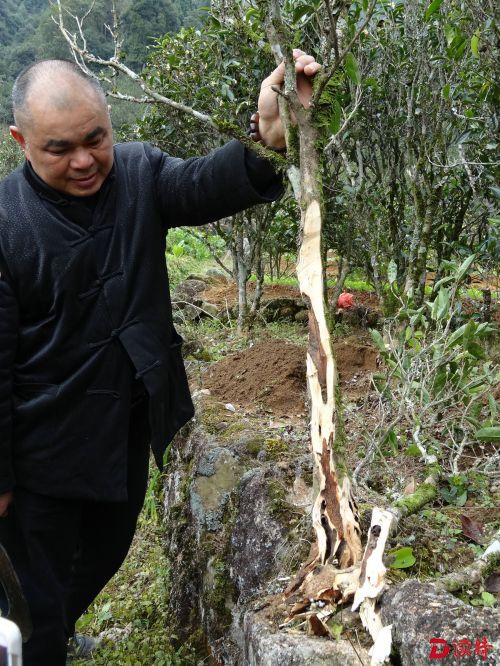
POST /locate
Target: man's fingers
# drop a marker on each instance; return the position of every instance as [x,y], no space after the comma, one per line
[275,78]
[307,64]
[303,63]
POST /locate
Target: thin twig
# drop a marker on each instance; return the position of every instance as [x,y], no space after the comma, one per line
[326,74]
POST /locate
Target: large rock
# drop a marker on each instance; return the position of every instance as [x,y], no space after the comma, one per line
[238,501]
[420,612]
[217,275]
[188,303]
[288,309]
[230,522]
[189,291]
[265,646]
[256,533]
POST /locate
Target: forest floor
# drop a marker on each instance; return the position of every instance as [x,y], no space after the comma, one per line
[262,375]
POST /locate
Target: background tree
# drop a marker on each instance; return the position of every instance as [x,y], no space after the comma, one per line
[416,161]
[224,94]
[28,33]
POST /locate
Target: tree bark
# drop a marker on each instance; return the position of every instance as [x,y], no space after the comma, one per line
[335,517]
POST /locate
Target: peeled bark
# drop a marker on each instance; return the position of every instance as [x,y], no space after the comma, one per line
[335,517]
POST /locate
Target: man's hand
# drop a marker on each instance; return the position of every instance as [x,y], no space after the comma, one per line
[270,127]
[5,500]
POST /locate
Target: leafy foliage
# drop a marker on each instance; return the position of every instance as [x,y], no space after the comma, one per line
[411,175]
[10,155]
[402,558]
[435,390]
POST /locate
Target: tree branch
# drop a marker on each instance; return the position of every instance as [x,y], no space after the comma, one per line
[326,74]
[82,56]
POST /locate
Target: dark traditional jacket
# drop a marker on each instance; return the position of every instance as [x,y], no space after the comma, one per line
[85,312]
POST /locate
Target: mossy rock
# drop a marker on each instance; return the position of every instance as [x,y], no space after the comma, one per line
[276,449]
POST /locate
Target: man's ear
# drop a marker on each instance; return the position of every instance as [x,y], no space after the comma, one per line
[18,136]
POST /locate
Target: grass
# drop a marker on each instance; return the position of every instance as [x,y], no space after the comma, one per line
[132,609]
[179,268]
[285,330]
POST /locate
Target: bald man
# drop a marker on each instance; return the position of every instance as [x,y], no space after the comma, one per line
[91,374]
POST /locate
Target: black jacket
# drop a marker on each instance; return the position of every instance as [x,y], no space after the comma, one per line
[85,312]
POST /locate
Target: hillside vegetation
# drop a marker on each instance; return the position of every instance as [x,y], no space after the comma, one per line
[27,32]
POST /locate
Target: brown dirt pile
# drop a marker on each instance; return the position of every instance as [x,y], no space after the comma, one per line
[272,374]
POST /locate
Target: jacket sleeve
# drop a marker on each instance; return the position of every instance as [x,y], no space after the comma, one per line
[204,189]
[8,343]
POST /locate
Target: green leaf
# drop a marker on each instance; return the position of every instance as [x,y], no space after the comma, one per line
[392,271]
[334,124]
[491,434]
[464,267]
[443,303]
[458,47]
[351,68]
[335,629]
[488,599]
[474,45]
[252,13]
[378,340]
[440,307]
[476,350]
[439,380]
[432,8]
[301,11]
[456,336]
[445,280]
[449,32]
[392,439]
[403,558]
[446,91]
[413,450]
[469,333]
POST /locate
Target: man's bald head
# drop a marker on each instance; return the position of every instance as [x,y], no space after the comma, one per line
[58,81]
[63,127]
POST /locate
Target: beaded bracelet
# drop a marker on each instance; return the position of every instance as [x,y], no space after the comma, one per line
[254,133]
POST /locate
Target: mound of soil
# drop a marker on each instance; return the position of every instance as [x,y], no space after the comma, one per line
[272,374]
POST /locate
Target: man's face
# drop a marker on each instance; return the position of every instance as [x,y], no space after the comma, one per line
[70,148]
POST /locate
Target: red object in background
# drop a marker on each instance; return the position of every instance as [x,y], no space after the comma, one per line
[345,301]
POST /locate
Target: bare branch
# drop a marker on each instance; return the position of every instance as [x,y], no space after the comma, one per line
[83,57]
[332,32]
[326,74]
[462,163]
[334,139]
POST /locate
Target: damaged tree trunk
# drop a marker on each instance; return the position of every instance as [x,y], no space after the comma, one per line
[334,513]
[335,518]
